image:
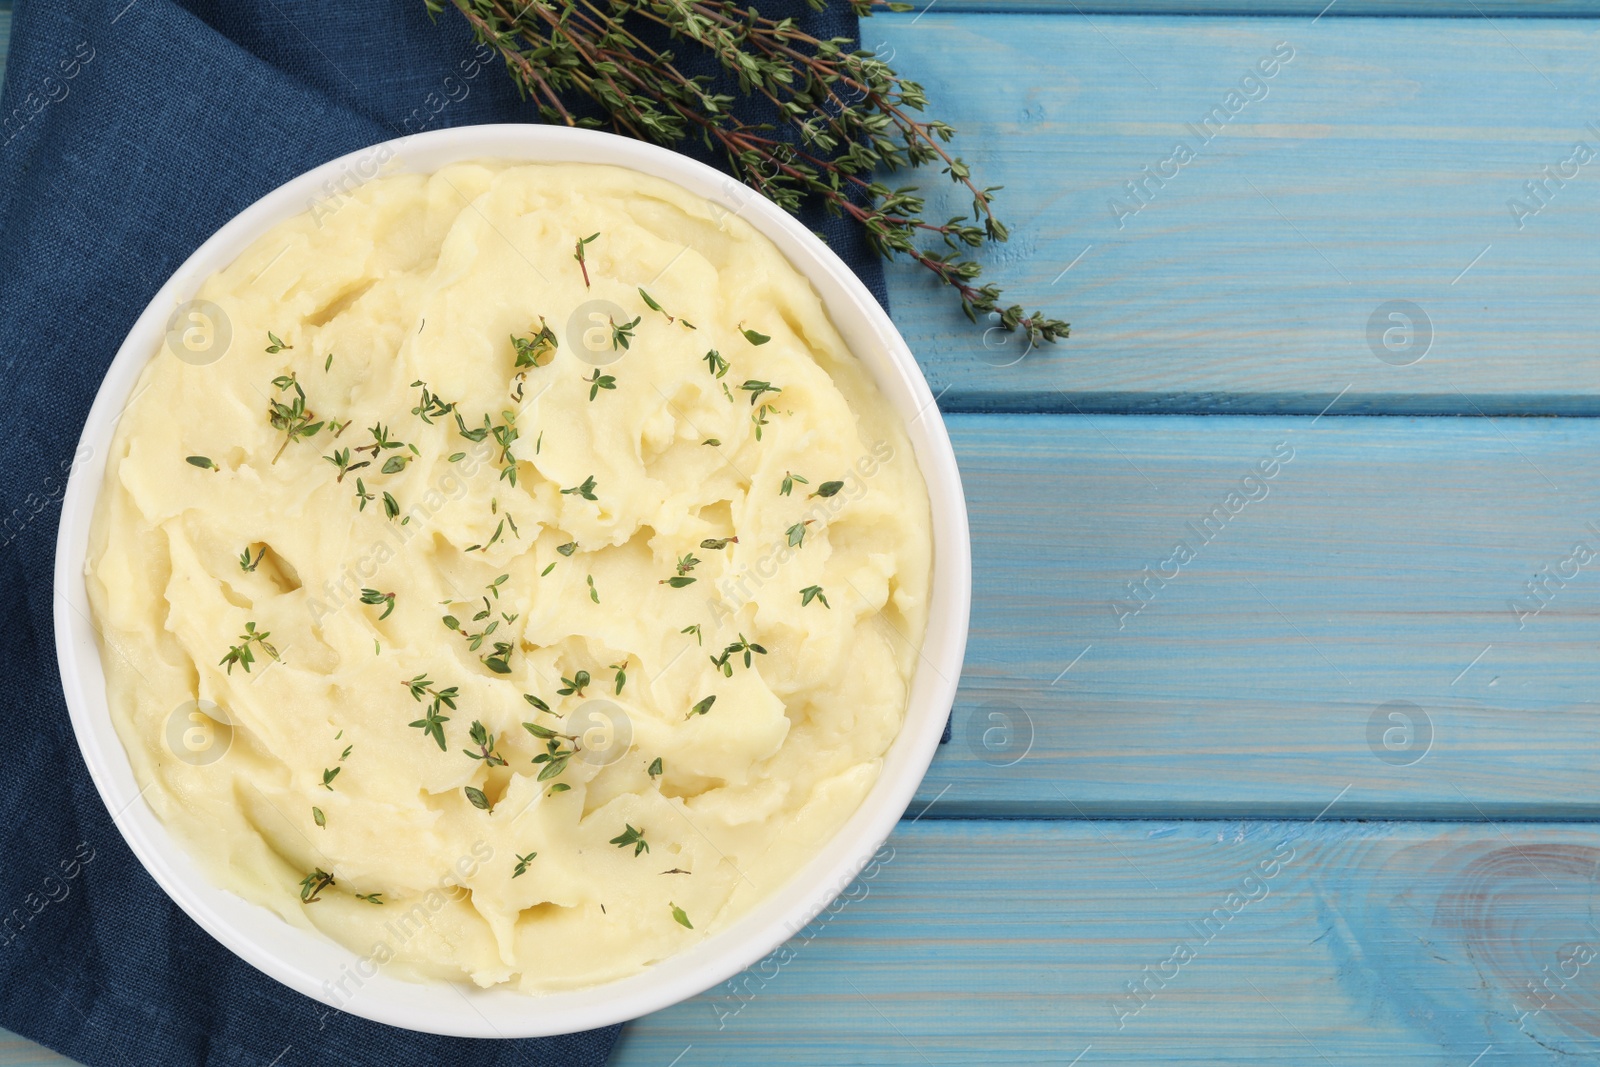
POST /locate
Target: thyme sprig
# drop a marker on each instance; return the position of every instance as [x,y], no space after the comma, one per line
[537,350]
[313,884]
[843,114]
[559,749]
[432,723]
[498,659]
[341,459]
[486,748]
[630,836]
[724,662]
[293,418]
[242,653]
[577,248]
[374,596]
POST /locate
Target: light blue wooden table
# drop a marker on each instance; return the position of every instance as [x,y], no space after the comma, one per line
[1325,792]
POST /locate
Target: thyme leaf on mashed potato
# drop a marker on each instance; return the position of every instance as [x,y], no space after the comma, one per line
[248,564]
[651,303]
[702,707]
[622,333]
[585,490]
[313,884]
[242,654]
[431,406]
[293,418]
[630,836]
[276,344]
[755,387]
[575,685]
[686,563]
[556,753]
[373,596]
[203,462]
[479,799]
[758,417]
[724,662]
[370,898]
[341,460]
[486,746]
[538,350]
[813,592]
[715,363]
[522,863]
[432,723]
[598,382]
[787,486]
[577,254]
[680,916]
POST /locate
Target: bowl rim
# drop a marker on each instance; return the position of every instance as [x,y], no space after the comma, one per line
[309,962]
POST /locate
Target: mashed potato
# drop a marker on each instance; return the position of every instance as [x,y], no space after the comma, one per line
[533,584]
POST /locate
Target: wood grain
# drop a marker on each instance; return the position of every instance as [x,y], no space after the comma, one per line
[1016,943]
[20,1052]
[1378,563]
[1377,167]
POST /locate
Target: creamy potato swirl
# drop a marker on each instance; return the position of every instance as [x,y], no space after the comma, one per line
[533,583]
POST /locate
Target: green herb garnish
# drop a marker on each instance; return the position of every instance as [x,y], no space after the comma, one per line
[630,836]
[813,592]
[586,490]
[598,382]
[242,653]
[577,254]
[313,884]
[622,334]
[485,741]
[293,418]
[372,596]
[538,350]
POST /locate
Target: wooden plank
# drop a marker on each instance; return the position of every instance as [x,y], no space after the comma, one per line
[20,1052]
[1377,167]
[1398,944]
[1379,563]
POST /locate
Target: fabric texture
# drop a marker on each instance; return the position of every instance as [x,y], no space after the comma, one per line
[131,132]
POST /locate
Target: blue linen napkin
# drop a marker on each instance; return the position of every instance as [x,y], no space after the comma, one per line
[131,131]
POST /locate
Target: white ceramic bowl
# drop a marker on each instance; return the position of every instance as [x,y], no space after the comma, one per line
[310,963]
